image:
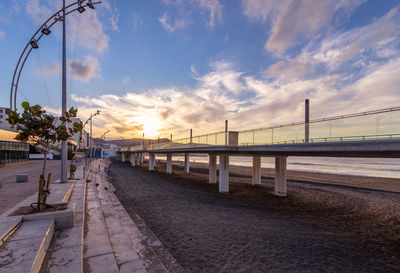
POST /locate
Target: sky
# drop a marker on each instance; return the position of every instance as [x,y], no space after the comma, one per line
[162,67]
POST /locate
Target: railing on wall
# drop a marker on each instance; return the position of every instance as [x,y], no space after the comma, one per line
[372,125]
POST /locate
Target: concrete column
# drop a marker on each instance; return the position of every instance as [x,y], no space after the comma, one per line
[187,163]
[137,159]
[141,158]
[280,175]
[152,160]
[256,173]
[123,159]
[224,173]
[307,121]
[169,163]
[212,171]
[132,159]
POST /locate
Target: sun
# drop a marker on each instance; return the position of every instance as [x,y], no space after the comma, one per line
[151,126]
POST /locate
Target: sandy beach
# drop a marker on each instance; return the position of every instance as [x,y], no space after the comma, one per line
[364,182]
[318,227]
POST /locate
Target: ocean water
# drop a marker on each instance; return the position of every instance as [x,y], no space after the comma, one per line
[380,167]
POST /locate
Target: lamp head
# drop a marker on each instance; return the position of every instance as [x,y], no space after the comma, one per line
[81,9]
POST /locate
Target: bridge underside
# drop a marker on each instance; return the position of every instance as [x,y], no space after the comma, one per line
[375,148]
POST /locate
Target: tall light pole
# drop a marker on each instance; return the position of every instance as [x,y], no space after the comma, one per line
[90,137]
[33,44]
[64,144]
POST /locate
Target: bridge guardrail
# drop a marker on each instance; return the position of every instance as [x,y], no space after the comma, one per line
[378,124]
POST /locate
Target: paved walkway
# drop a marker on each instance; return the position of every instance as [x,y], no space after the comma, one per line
[104,238]
[11,193]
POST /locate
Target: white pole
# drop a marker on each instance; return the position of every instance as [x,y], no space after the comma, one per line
[91,140]
[64,145]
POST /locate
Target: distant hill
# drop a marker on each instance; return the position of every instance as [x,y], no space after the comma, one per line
[128,142]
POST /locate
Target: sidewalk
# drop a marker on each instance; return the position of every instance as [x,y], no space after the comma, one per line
[103,238]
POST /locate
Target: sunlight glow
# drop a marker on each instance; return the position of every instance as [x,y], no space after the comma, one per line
[151,125]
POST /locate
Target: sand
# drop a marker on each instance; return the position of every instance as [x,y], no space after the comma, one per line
[318,227]
[365,182]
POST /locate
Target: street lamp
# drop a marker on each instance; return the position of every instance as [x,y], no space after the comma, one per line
[33,43]
[103,136]
[91,139]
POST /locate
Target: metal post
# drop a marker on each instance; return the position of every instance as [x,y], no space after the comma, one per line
[91,140]
[64,144]
[191,136]
[307,120]
[226,132]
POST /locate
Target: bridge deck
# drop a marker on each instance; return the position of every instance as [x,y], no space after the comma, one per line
[366,148]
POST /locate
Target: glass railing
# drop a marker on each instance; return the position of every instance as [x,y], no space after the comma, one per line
[373,125]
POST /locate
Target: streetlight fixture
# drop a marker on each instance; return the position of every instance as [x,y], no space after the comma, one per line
[34,44]
[81,9]
[46,31]
[90,4]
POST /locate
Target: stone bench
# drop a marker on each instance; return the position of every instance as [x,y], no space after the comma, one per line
[21,178]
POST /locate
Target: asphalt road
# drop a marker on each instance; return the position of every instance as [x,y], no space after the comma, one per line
[11,193]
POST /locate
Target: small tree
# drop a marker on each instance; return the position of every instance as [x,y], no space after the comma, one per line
[43,129]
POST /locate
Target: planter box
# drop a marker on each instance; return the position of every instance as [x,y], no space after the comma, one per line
[63,218]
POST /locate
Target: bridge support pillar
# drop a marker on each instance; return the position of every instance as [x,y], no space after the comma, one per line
[123,158]
[152,161]
[224,173]
[137,159]
[280,175]
[132,159]
[187,163]
[169,163]
[141,158]
[212,171]
[256,172]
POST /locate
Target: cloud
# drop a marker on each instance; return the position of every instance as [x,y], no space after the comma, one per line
[88,32]
[342,47]
[211,7]
[126,80]
[136,20]
[55,69]
[215,9]
[344,51]
[114,20]
[86,69]
[35,10]
[83,70]
[295,21]
[178,23]
[2,34]
[219,96]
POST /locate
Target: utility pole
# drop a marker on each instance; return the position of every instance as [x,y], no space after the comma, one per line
[64,144]
[91,141]
[307,121]
[226,132]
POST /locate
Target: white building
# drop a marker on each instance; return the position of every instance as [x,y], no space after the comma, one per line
[4,125]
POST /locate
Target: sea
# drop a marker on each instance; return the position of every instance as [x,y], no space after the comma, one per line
[379,167]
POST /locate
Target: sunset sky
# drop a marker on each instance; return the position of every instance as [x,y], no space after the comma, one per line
[165,66]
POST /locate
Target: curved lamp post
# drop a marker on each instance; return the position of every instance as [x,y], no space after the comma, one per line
[44,29]
[33,43]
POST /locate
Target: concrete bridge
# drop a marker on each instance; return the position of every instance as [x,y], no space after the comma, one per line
[368,134]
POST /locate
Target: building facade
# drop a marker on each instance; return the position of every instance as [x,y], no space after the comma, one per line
[12,151]
[4,125]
